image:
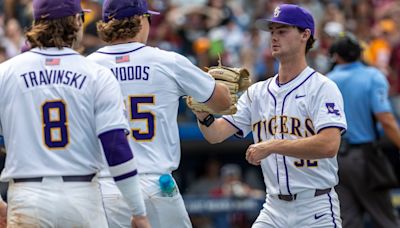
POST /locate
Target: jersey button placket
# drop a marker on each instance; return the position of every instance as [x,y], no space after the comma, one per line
[278,135]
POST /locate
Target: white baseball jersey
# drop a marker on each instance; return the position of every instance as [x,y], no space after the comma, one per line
[152,81]
[54,103]
[300,108]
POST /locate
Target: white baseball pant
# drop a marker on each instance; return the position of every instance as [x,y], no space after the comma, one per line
[55,203]
[305,211]
[162,212]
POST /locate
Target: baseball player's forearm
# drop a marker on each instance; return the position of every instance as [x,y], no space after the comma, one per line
[218,131]
[323,145]
[122,167]
[220,99]
[3,214]
[390,127]
[130,189]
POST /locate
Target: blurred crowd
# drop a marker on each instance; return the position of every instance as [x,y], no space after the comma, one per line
[226,181]
[203,30]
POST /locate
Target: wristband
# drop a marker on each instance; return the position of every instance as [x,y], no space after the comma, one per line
[208,120]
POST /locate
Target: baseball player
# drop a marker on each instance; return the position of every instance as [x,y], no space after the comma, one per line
[152,81]
[296,118]
[55,105]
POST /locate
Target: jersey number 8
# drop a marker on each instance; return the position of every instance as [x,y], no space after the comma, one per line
[55,124]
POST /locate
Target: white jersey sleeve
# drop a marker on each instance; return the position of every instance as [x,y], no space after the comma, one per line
[108,102]
[327,109]
[188,75]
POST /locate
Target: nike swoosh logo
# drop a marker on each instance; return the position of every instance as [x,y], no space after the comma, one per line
[299,96]
[319,216]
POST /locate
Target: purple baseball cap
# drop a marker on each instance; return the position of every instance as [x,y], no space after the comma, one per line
[54,9]
[120,9]
[289,14]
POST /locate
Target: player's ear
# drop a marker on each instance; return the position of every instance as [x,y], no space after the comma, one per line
[78,19]
[306,34]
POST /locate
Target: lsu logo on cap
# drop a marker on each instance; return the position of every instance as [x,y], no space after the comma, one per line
[277,11]
[331,109]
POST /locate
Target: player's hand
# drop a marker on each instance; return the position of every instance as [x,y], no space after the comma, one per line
[140,222]
[3,214]
[256,152]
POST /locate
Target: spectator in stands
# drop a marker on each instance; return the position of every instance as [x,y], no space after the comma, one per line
[203,186]
[319,57]
[394,71]
[365,94]
[230,36]
[378,51]
[210,179]
[256,55]
[232,184]
[21,10]
[15,37]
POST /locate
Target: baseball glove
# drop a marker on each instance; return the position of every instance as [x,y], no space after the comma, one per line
[236,79]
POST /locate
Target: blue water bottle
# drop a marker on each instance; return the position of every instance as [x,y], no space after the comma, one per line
[167,185]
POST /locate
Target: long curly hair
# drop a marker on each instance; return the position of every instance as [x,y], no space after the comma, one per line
[119,29]
[58,33]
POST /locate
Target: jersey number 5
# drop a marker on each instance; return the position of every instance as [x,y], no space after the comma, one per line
[139,115]
[55,124]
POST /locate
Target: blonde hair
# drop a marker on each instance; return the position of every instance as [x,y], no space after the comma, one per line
[58,33]
[119,29]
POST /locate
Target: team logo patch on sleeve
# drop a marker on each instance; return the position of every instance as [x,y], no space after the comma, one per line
[52,61]
[122,59]
[331,109]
